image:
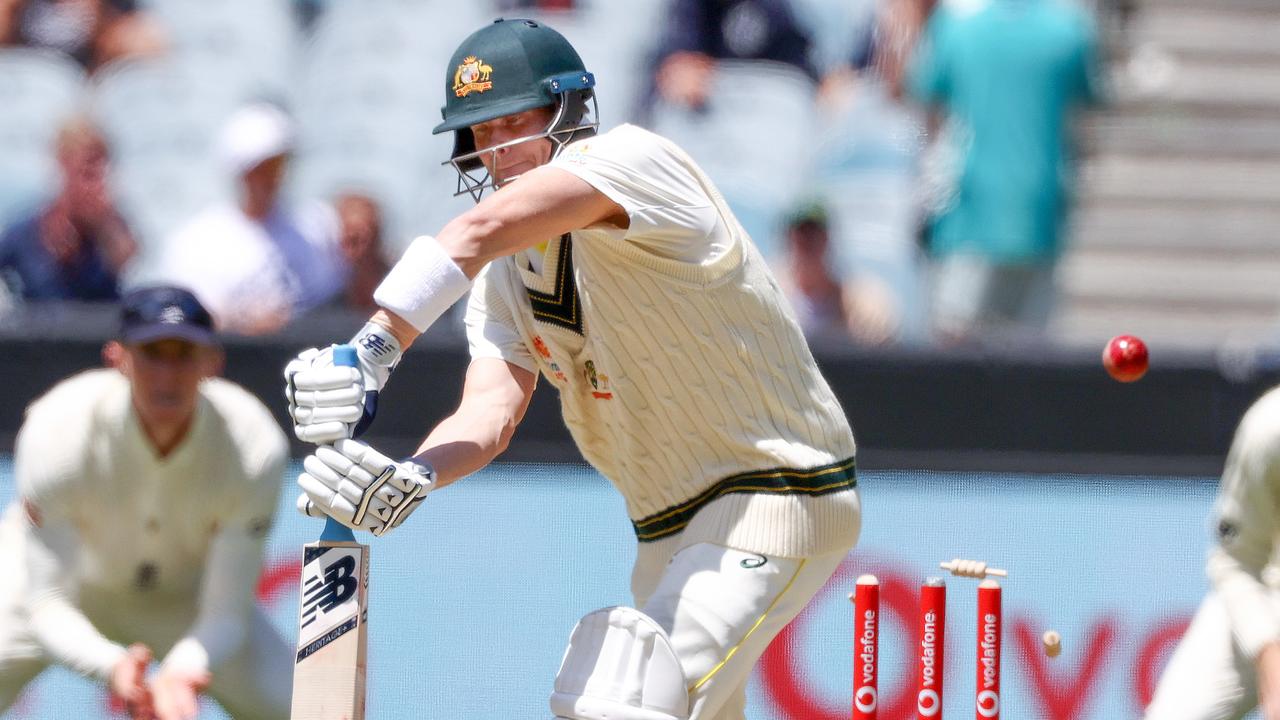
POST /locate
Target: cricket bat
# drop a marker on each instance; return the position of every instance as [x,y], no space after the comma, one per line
[329,669]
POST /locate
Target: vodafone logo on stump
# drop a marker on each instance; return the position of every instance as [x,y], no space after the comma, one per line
[928,703]
[989,704]
[865,699]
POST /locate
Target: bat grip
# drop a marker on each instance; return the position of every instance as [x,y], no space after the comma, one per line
[334,531]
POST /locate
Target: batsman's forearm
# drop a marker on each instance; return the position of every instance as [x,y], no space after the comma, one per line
[403,331]
[461,445]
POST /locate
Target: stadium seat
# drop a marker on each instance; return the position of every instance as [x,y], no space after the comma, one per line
[754,138]
[618,59]
[161,118]
[38,91]
[866,168]
[370,90]
[251,44]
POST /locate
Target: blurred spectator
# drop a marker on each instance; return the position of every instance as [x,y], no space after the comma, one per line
[700,32]
[361,242]
[884,49]
[805,273]
[863,308]
[75,247]
[260,262]
[1004,77]
[93,32]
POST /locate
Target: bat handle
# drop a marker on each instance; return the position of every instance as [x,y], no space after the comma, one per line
[334,531]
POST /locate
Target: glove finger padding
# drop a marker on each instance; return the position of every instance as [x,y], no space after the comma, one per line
[346,466]
[326,432]
[362,488]
[327,500]
[320,415]
[326,378]
[307,507]
[315,465]
[350,395]
[363,455]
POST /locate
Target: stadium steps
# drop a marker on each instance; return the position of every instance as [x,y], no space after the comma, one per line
[1165,134]
[1179,229]
[1177,232]
[1188,300]
[1215,32]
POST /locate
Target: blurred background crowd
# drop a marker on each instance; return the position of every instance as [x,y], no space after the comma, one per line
[920,172]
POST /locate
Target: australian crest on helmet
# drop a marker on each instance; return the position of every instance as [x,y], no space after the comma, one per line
[471,76]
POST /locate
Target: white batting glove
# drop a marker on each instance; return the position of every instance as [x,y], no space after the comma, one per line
[329,402]
[360,487]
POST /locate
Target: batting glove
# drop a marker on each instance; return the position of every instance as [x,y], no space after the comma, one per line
[360,487]
[329,402]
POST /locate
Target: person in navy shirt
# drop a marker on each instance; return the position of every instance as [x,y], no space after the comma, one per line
[75,247]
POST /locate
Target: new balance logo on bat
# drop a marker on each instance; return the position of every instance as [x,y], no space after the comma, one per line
[330,587]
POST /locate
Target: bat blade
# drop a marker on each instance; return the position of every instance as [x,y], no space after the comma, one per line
[329,669]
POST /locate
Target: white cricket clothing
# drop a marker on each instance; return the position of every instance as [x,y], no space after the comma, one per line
[1212,672]
[131,547]
[721,608]
[246,272]
[1207,677]
[1247,522]
[683,375]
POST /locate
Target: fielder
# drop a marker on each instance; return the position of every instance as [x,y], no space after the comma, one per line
[145,492]
[1229,661]
[610,265]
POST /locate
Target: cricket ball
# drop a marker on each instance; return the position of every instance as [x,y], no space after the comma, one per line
[1125,358]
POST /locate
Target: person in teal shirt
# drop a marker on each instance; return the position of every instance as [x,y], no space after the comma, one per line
[1003,78]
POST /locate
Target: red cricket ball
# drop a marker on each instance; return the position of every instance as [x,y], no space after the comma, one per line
[1125,358]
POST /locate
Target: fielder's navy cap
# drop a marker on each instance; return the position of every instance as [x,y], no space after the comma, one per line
[162,313]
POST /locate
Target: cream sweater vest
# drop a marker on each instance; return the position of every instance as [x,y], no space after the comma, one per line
[690,387]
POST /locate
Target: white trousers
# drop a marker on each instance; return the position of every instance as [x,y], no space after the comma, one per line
[722,607]
[1207,678]
[254,684]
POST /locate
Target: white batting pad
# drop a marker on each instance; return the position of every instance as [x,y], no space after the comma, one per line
[620,666]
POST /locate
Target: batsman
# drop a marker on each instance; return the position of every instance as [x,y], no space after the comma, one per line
[611,266]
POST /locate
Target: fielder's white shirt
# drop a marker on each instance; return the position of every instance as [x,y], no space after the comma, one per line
[243,270]
[119,543]
[683,375]
[1247,523]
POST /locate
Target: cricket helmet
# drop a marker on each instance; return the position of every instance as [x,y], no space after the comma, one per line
[508,67]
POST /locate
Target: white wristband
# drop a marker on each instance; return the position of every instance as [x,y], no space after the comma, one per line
[423,284]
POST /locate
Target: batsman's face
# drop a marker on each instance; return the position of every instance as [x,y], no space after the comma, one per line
[509,161]
[165,376]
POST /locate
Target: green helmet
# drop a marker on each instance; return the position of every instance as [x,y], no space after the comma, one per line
[505,68]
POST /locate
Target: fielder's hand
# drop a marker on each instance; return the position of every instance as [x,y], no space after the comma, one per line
[129,682]
[360,487]
[177,693]
[329,402]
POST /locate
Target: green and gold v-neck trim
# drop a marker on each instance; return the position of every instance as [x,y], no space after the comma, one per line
[559,305]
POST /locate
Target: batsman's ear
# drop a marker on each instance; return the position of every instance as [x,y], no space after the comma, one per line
[113,354]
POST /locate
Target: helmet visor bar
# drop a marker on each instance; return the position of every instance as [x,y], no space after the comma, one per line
[473,174]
